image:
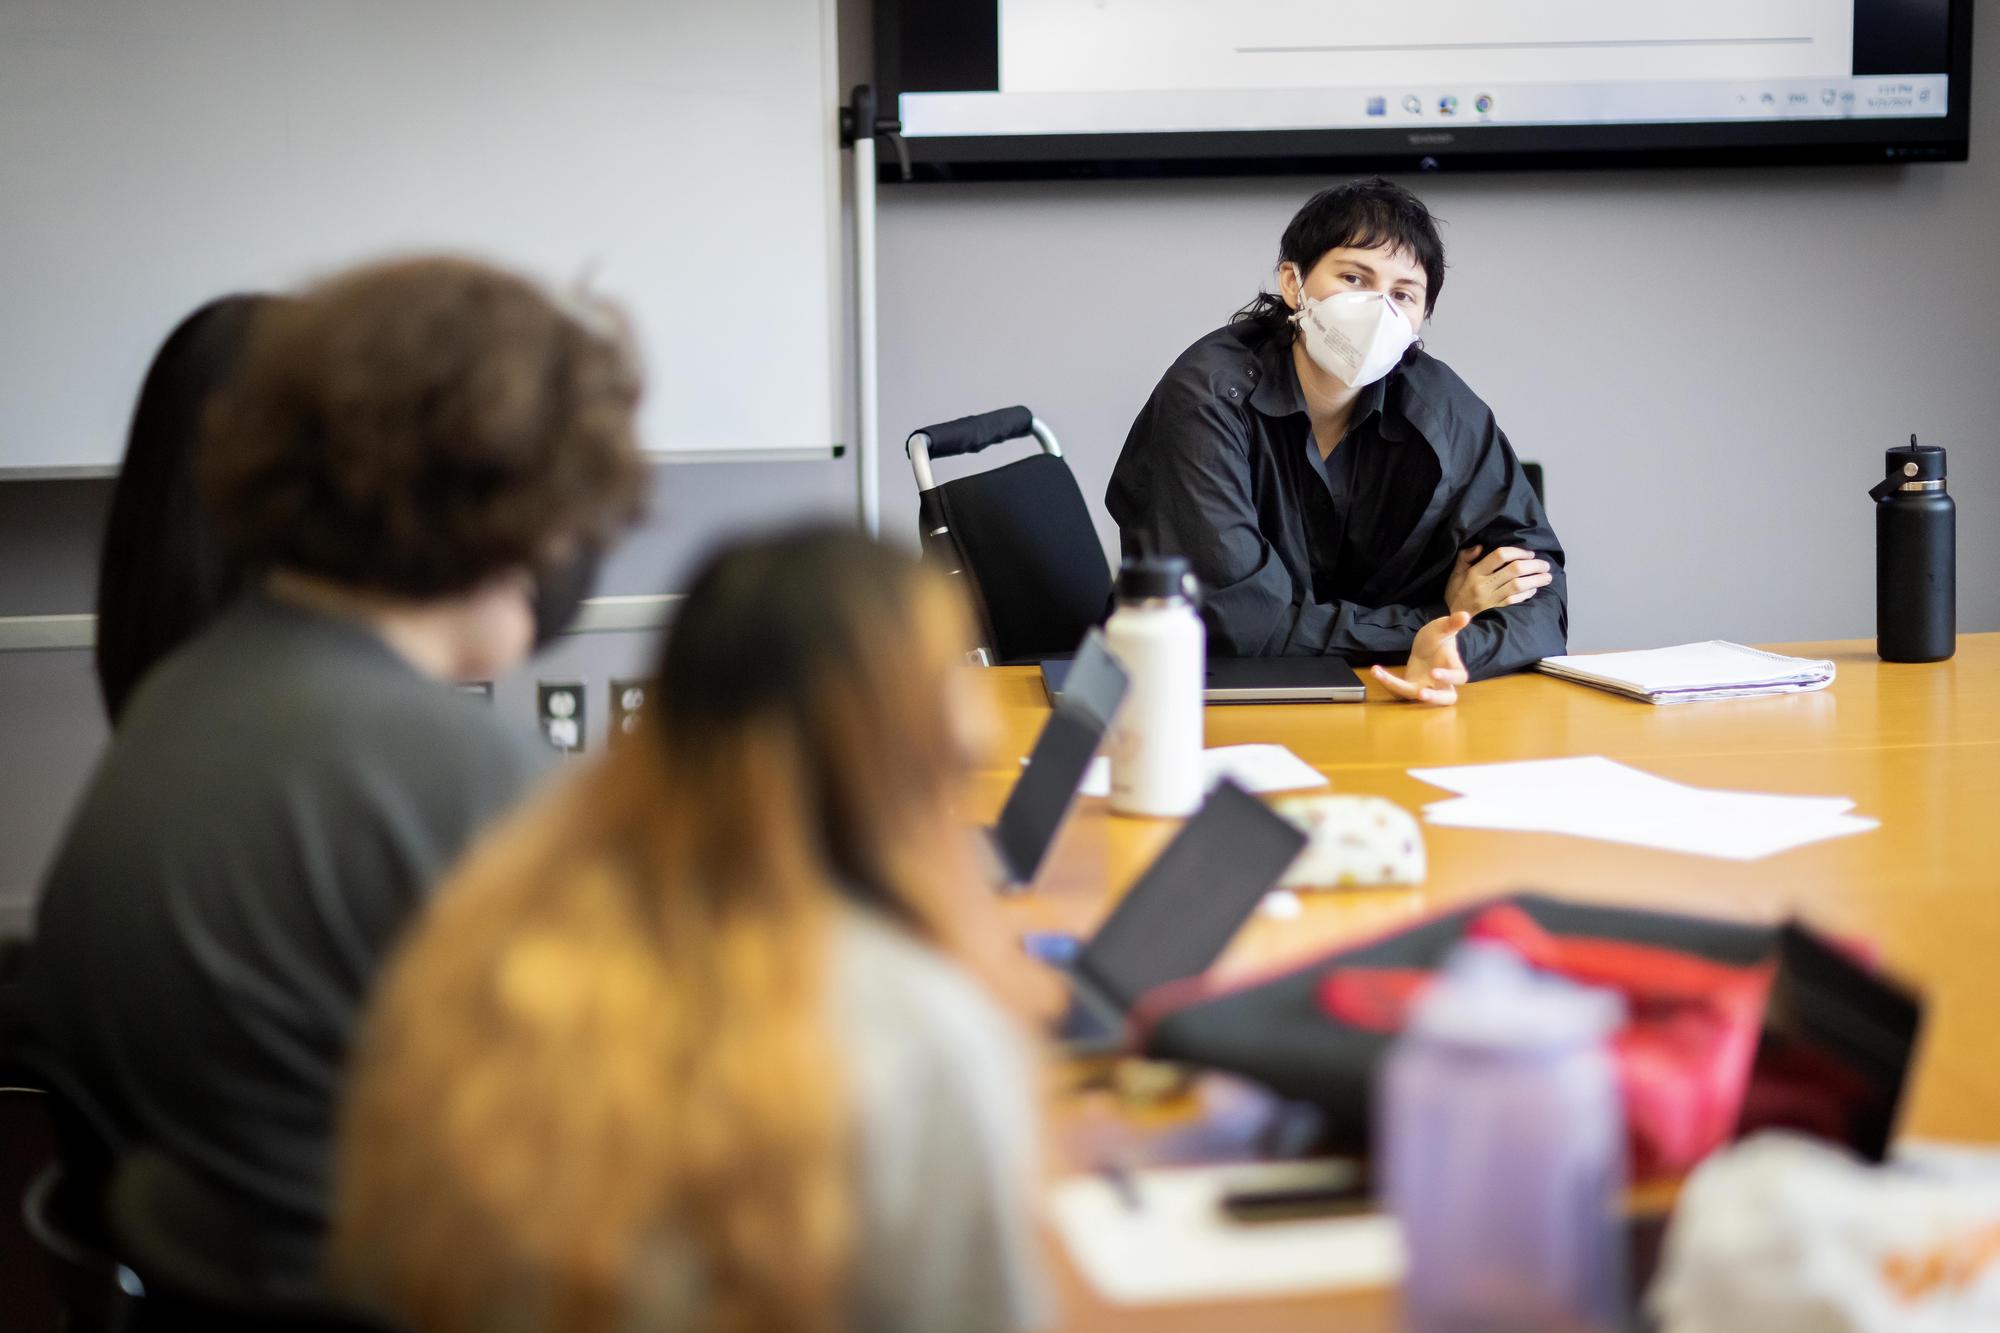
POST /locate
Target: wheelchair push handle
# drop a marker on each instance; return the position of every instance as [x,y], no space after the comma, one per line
[968,435]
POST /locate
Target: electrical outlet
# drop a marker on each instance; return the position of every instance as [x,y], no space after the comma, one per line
[559,711]
[628,702]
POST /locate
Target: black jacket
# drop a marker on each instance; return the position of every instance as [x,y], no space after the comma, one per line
[1349,557]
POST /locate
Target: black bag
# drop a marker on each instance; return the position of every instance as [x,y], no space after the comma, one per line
[1276,1033]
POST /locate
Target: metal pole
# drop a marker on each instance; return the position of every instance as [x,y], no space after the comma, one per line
[868,386]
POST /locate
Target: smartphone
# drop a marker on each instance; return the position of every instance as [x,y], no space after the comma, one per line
[1289,1191]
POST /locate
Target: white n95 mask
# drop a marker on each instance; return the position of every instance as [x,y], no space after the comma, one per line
[1356,337]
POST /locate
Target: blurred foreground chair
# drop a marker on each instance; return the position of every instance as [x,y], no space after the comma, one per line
[189,1244]
[60,1148]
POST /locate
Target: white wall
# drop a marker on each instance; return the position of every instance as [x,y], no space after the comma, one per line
[1709,363]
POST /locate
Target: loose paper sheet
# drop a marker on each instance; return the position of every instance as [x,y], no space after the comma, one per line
[1255,768]
[1178,1244]
[1595,797]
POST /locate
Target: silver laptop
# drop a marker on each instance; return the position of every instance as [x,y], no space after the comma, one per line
[1252,680]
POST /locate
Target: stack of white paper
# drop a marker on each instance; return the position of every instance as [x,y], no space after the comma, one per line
[1693,671]
[1255,768]
[1598,798]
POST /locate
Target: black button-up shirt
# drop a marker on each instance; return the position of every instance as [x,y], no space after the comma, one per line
[1349,555]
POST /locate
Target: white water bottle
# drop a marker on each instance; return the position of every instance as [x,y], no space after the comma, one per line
[1157,636]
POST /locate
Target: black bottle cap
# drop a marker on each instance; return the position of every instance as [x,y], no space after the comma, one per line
[1152,576]
[1915,462]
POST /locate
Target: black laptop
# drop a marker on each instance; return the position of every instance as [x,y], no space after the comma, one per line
[1182,913]
[1252,680]
[1048,785]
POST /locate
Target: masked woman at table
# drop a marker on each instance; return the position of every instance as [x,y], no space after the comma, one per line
[697,1043]
[1336,488]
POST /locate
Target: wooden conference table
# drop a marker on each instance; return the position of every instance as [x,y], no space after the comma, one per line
[1916,747]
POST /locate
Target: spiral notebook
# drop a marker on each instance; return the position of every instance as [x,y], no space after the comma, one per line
[1692,672]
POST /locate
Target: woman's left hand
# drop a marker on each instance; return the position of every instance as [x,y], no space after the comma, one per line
[1435,669]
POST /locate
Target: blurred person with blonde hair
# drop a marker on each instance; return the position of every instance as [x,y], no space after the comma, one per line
[700,1041]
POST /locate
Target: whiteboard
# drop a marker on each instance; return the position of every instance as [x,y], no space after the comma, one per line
[678,156]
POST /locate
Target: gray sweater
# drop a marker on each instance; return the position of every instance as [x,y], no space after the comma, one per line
[280,797]
[945,1098]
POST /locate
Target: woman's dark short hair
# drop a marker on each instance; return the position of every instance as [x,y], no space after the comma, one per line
[421,426]
[160,574]
[1365,214]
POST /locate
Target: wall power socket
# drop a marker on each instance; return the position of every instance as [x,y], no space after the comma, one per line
[628,704]
[559,713]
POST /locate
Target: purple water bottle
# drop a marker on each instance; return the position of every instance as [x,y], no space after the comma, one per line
[1501,1144]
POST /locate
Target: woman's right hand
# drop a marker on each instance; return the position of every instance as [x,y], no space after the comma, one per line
[1508,576]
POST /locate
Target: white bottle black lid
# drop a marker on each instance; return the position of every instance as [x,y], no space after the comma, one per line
[1152,577]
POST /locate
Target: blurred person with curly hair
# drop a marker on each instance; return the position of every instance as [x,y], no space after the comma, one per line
[422,458]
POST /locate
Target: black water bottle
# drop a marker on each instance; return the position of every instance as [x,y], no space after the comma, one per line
[1916,558]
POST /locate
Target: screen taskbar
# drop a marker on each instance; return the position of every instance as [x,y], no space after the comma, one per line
[1833,98]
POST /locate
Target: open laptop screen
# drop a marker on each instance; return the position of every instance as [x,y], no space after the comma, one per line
[1836,1048]
[1184,911]
[1056,766]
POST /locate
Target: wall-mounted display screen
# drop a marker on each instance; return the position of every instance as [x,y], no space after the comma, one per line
[1022,88]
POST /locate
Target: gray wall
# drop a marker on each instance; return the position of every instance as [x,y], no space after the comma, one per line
[1708,363]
